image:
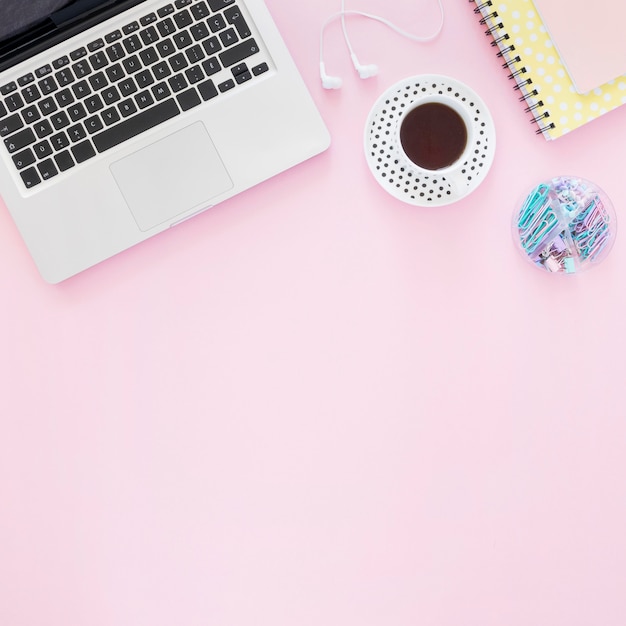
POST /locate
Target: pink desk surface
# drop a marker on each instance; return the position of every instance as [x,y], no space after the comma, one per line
[315,405]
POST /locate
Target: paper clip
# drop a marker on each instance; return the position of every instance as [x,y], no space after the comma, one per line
[590,230]
[528,211]
[537,219]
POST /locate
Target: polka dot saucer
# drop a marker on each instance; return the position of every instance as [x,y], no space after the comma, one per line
[381,150]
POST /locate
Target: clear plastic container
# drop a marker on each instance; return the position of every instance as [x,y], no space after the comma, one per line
[565,225]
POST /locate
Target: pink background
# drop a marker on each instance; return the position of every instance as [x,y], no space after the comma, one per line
[315,404]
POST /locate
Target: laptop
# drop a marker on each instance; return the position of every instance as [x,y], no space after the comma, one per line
[122,118]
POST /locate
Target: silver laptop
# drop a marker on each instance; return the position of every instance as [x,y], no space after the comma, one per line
[122,118]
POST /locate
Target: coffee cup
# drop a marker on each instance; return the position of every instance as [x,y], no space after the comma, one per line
[434,137]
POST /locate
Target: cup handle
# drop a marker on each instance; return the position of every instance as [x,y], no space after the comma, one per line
[457,182]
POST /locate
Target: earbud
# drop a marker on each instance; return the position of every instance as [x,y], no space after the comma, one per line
[365,71]
[329,82]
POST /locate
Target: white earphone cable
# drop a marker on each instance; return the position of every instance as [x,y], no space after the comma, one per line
[342,14]
[333,82]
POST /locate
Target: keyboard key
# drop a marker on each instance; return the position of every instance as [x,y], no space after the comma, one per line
[165,48]
[42,128]
[114,36]
[48,106]
[83,151]
[144,99]
[26,79]
[134,126]
[161,70]
[64,160]
[20,140]
[81,69]
[217,23]
[207,90]
[211,66]
[98,60]
[178,62]
[127,87]
[76,112]
[61,62]
[161,91]
[149,56]
[30,177]
[127,107]
[115,73]
[229,37]
[144,79]
[183,18]
[217,5]
[179,4]
[93,103]
[212,45]
[59,141]
[42,149]
[195,54]
[132,64]
[64,98]
[166,10]
[31,114]
[149,35]
[188,99]
[31,93]
[76,133]
[200,11]
[110,116]
[14,102]
[8,88]
[166,27]
[3,110]
[238,53]
[130,28]
[199,31]
[182,39]
[95,45]
[110,95]
[78,54]
[98,81]
[60,120]
[47,169]
[235,18]
[23,159]
[132,44]
[260,69]
[227,85]
[115,52]
[148,19]
[42,71]
[65,77]
[178,83]
[47,85]
[93,124]
[194,74]
[243,78]
[239,69]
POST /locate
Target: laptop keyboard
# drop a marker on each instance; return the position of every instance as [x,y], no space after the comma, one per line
[125,83]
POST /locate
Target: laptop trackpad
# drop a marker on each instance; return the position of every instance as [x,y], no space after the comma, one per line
[173,175]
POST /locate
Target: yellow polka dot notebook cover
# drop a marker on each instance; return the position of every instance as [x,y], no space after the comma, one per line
[540,76]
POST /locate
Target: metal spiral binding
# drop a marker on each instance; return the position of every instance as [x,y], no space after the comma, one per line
[501,40]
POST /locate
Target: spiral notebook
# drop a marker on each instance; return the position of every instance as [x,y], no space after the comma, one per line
[592,55]
[538,72]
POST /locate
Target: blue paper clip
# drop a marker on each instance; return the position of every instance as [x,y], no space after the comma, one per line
[537,219]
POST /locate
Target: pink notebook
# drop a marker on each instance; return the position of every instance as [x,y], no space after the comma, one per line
[589,38]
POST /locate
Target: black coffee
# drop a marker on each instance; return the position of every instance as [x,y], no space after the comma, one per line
[433,135]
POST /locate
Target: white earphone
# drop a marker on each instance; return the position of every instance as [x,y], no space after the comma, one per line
[364,71]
